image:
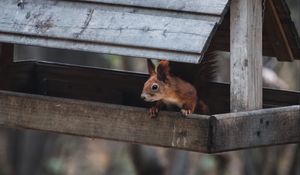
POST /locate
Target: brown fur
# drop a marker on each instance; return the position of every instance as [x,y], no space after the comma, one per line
[174,81]
[171,90]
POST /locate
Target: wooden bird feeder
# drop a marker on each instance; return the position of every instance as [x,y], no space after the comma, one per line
[103,103]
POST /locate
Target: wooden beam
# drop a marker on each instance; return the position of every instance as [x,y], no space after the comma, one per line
[263,127]
[246,55]
[99,120]
[213,7]
[199,133]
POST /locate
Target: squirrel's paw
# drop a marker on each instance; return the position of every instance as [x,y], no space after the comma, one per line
[153,112]
[186,112]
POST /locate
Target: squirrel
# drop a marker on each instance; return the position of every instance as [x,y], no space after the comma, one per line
[179,84]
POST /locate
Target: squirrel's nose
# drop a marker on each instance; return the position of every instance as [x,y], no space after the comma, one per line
[143,96]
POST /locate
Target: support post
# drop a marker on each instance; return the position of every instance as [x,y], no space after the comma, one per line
[246,55]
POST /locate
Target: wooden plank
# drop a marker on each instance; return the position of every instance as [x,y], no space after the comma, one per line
[213,7]
[102,48]
[246,55]
[276,98]
[88,28]
[98,120]
[209,134]
[265,127]
[105,27]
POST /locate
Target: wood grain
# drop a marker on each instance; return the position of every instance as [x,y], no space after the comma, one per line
[214,7]
[91,28]
[106,27]
[246,55]
[210,134]
[98,120]
[251,129]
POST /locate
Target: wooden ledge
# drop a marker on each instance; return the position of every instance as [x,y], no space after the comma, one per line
[99,120]
[256,128]
[208,134]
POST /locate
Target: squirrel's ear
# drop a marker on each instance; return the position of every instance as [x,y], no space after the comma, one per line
[151,67]
[163,70]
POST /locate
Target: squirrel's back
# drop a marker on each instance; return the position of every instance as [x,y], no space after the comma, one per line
[199,75]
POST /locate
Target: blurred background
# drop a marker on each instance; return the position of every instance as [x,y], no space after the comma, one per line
[27,152]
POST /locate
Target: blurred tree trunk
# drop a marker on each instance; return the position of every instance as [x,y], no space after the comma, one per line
[146,160]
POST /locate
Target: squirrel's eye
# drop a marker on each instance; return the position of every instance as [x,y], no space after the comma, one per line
[154,87]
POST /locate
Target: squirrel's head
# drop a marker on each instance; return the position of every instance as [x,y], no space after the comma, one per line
[156,86]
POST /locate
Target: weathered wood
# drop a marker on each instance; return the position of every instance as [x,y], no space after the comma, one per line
[220,40]
[209,134]
[98,47]
[246,55]
[241,130]
[100,120]
[214,7]
[95,25]
[89,28]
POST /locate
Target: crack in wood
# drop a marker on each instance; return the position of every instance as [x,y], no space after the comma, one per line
[86,22]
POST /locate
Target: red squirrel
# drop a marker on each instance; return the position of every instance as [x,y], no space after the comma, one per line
[178,84]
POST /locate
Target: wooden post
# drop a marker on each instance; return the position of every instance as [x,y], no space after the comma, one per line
[246,55]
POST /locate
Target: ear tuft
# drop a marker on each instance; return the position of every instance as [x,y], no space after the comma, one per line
[163,70]
[151,67]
